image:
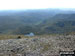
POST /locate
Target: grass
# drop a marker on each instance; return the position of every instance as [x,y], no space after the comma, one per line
[4,37]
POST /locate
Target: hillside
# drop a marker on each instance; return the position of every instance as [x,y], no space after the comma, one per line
[44,21]
[45,45]
[60,23]
[10,20]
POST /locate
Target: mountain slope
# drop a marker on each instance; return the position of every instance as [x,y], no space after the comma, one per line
[60,23]
[44,21]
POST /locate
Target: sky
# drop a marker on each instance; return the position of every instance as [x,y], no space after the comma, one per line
[35,4]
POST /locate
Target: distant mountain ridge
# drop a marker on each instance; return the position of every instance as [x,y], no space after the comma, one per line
[44,21]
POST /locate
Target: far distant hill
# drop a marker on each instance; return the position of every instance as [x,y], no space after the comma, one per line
[42,21]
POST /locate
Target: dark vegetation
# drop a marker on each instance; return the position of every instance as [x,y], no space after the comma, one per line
[19,37]
[44,21]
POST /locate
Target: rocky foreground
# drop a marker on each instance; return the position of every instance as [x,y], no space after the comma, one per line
[37,46]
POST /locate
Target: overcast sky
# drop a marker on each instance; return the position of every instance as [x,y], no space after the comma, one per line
[35,4]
